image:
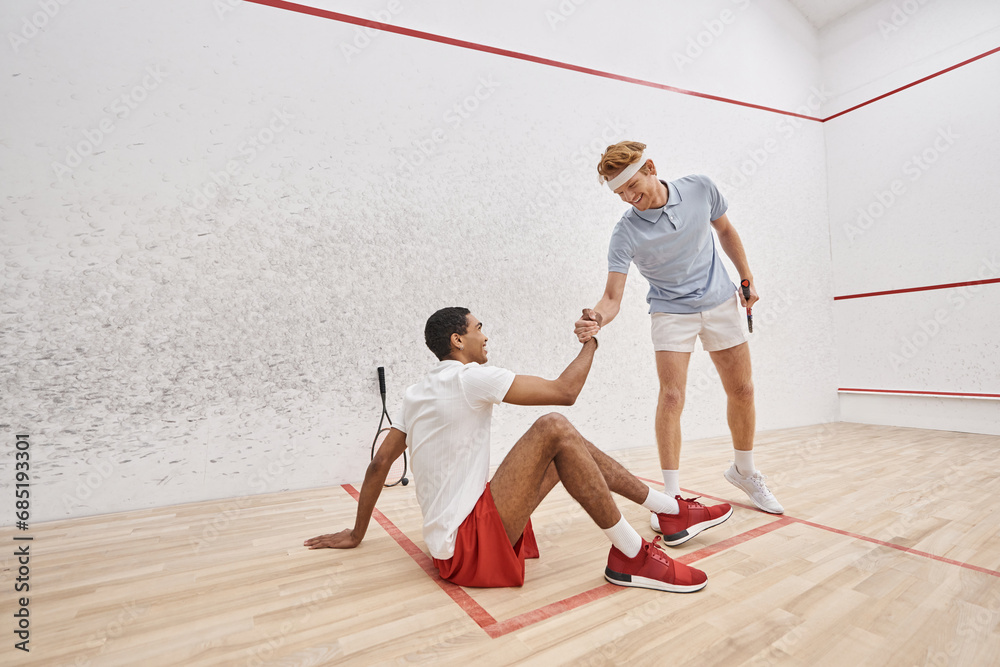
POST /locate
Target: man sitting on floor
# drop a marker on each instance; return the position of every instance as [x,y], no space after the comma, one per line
[477,529]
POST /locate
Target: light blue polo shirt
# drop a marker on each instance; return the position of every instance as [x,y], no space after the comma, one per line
[674,248]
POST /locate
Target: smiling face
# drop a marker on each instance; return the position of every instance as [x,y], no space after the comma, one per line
[472,344]
[644,190]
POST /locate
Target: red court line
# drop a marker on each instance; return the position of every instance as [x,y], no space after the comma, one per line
[988,281]
[906,392]
[542,613]
[473,46]
[900,547]
[517,55]
[475,611]
[731,542]
[910,85]
[792,519]
[495,628]
[550,610]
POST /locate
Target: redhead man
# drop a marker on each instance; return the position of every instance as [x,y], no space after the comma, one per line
[667,234]
[477,529]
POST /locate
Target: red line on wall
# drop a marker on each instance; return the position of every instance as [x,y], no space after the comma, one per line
[926,288]
[905,392]
[910,85]
[461,43]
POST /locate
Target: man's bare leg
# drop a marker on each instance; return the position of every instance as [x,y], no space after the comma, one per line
[551,451]
[671,368]
[734,369]
[616,477]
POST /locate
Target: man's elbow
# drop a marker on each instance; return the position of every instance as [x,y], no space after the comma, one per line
[569,397]
[379,464]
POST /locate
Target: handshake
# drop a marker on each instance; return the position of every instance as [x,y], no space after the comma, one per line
[588,325]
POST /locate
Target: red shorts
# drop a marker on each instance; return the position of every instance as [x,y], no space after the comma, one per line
[483,555]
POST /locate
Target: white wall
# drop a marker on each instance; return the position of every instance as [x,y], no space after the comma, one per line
[893,43]
[175,333]
[913,202]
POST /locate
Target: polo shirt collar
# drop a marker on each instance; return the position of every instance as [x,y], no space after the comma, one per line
[653,214]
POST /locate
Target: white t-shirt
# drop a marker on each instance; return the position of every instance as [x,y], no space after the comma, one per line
[446,418]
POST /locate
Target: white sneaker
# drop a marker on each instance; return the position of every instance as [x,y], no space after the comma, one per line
[754,486]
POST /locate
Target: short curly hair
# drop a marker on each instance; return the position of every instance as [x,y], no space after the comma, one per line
[618,156]
[441,325]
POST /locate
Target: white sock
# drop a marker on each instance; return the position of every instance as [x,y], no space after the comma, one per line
[744,462]
[624,537]
[660,503]
[671,483]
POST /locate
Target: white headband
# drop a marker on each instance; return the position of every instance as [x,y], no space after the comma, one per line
[623,178]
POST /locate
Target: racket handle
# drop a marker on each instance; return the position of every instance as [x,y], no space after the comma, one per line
[745,284]
[381,380]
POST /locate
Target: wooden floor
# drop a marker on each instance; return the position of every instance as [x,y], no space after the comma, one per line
[889,554]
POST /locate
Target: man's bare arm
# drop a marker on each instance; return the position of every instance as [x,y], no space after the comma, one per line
[732,245]
[605,310]
[391,449]
[531,390]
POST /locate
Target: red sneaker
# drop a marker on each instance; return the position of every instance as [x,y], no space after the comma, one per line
[652,568]
[691,520]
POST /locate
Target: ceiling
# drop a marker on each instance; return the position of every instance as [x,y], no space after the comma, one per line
[822,12]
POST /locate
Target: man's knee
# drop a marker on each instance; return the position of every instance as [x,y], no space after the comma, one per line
[553,423]
[742,392]
[671,400]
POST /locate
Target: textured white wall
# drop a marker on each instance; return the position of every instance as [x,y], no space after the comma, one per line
[913,203]
[216,224]
[893,43]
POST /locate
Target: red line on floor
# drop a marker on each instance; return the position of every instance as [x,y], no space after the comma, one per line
[456,593]
[900,547]
[495,628]
[910,85]
[728,543]
[857,536]
[473,46]
[550,610]
[926,288]
[916,393]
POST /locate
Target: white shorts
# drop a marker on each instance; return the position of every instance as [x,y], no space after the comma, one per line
[720,328]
